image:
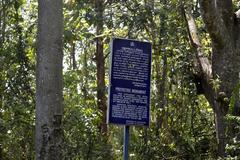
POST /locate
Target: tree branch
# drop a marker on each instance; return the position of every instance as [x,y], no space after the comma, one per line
[203,67]
[203,62]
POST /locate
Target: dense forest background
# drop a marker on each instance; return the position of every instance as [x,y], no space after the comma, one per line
[184,122]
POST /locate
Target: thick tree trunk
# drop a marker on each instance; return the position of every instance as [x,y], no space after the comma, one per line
[220,131]
[225,69]
[223,28]
[101,97]
[49,98]
[219,78]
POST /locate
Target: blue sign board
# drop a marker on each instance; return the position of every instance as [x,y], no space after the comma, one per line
[129,88]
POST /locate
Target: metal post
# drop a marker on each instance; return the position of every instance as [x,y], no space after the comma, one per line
[126,141]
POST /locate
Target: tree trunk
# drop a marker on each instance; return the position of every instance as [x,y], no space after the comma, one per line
[161,79]
[1,152]
[73,55]
[85,77]
[49,98]
[101,97]
[220,131]
[220,77]
[3,22]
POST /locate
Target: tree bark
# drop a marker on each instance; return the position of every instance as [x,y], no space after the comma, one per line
[225,58]
[85,77]
[223,28]
[220,130]
[1,152]
[49,96]
[3,23]
[1,15]
[101,97]
[161,79]
[204,71]
[73,55]
[161,85]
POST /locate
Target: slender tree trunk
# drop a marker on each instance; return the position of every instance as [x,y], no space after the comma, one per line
[3,22]
[1,15]
[1,152]
[73,55]
[1,77]
[101,97]
[49,98]
[161,90]
[161,78]
[85,77]
[162,86]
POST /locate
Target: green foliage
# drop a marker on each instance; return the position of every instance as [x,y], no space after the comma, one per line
[234,98]
[17,83]
[233,145]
